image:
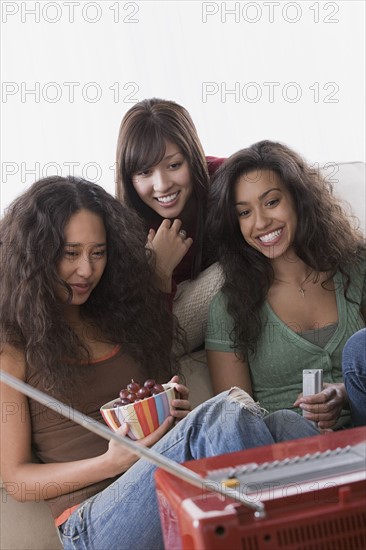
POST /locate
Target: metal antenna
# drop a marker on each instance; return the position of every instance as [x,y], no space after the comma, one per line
[152,456]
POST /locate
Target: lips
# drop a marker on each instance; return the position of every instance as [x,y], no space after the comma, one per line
[167,199]
[270,238]
[81,288]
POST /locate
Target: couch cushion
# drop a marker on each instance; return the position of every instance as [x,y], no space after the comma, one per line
[26,525]
[348,180]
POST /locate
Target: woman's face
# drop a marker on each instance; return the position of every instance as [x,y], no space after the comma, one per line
[266,213]
[84,256]
[166,187]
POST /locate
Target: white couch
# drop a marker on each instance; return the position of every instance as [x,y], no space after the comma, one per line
[30,526]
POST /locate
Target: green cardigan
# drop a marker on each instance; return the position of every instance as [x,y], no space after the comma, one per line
[282,354]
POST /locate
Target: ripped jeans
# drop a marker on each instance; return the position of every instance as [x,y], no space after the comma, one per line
[125,515]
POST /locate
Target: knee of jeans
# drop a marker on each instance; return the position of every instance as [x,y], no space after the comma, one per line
[356,343]
[233,403]
[286,415]
[354,352]
[245,401]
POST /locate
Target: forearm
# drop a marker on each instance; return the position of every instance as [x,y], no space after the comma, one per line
[34,482]
[165,282]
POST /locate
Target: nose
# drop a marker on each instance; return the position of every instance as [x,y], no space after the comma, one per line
[84,267]
[161,182]
[262,219]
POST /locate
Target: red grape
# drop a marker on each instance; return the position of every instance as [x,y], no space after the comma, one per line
[132,396]
[135,392]
[143,393]
[150,382]
[158,388]
[123,394]
[125,402]
[133,386]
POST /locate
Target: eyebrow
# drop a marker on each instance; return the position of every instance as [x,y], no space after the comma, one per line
[173,155]
[262,196]
[79,244]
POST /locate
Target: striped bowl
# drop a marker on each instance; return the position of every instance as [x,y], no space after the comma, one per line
[143,417]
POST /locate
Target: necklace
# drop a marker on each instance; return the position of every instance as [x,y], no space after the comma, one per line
[300,288]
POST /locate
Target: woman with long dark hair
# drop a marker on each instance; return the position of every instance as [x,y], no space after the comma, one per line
[294,288]
[33,246]
[163,174]
[80,316]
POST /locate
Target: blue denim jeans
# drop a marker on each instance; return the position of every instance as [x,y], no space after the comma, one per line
[125,515]
[354,374]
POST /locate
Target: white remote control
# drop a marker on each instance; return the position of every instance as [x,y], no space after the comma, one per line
[312,382]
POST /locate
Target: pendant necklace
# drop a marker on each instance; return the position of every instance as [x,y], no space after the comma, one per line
[300,288]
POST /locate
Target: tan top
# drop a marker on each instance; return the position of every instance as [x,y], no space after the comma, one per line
[57,439]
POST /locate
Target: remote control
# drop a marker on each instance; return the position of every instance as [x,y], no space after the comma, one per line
[312,382]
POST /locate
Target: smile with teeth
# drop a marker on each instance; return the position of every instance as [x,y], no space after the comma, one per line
[269,237]
[168,198]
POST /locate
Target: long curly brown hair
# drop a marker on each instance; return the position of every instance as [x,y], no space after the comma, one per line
[325,238]
[141,144]
[126,307]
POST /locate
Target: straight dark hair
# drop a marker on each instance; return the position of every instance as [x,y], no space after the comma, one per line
[141,144]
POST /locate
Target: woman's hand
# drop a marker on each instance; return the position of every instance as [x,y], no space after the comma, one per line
[180,406]
[324,407]
[119,459]
[170,247]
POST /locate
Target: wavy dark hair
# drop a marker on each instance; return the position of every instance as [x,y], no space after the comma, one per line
[325,238]
[126,307]
[141,144]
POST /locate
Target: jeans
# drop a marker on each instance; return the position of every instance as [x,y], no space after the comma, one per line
[354,374]
[125,515]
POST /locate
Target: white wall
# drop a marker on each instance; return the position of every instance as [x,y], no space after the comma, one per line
[296,71]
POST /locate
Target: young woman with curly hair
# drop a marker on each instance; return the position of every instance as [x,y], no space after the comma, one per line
[33,316]
[80,315]
[163,174]
[295,287]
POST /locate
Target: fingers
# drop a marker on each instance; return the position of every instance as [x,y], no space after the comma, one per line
[168,224]
[324,407]
[175,228]
[325,414]
[322,397]
[180,408]
[151,235]
[180,388]
[169,248]
[298,400]
[188,242]
[122,430]
[176,225]
[320,408]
